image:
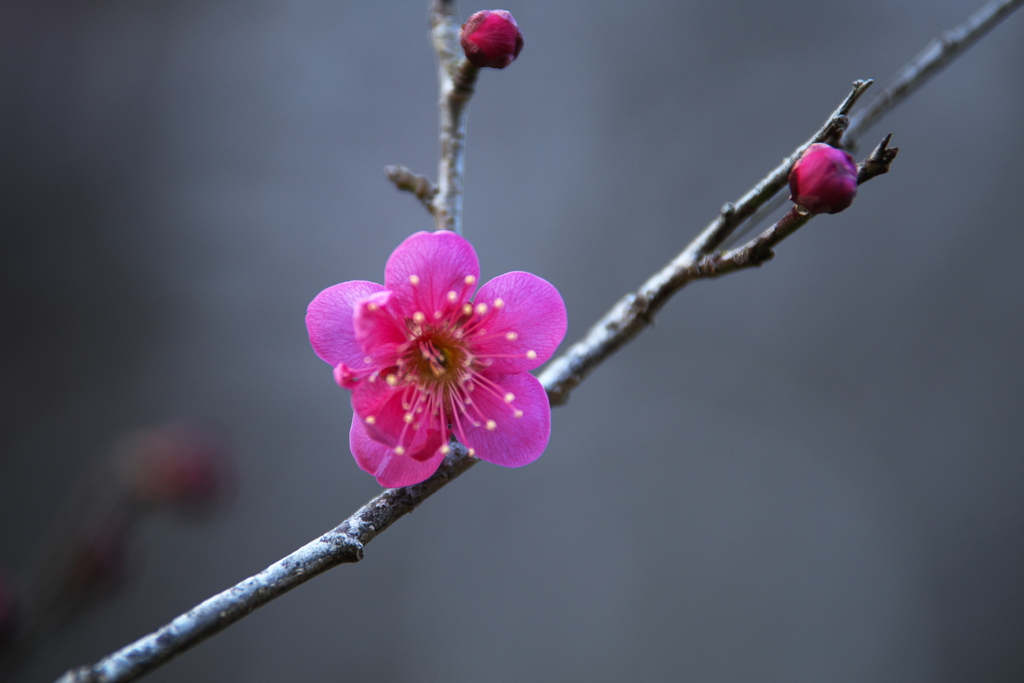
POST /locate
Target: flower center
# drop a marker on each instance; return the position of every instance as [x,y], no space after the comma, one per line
[436,360]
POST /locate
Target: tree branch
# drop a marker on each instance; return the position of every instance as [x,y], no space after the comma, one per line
[936,55]
[619,326]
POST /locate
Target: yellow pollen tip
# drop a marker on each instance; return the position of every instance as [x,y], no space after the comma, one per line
[414,280]
[371,306]
[370,420]
[444,450]
[470,280]
[509,397]
[511,336]
[452,296]
[418,317]
[481,308]
[491,425]
[400,450]
[472,452]
[408,417]
[531,354]
[518,413]
[467,309]
[391,379]
[498,303]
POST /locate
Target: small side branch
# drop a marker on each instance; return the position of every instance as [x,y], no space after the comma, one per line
[419,185]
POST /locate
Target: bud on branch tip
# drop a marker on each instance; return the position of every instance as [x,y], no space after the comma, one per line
[824,179]
[491,38]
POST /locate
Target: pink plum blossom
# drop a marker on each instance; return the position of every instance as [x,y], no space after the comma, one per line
[824,179]
[426,361]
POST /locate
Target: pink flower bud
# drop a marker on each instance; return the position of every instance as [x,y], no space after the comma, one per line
[491,38]
[824,179]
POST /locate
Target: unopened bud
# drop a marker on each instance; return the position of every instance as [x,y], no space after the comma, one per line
[99,561]
[824,179]
[184,465]
[491,38]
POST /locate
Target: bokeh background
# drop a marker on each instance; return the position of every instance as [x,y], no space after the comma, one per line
[812,471]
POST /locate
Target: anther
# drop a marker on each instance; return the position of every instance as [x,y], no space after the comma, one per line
[414,280]
[392,379]
[444,450]
[518,413]
[481,308]
[509,397]
[511,336]
[400,450]
[498,303]
[470,280]
[418,317]
[371,306]
[472,452]
[467,309]
[452,296]
[370,420]
[408,417]
[531,354]
[491,425]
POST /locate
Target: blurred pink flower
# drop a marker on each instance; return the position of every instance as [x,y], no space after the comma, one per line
[426,361]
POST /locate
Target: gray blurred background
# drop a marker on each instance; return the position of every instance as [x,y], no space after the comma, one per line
[808,472]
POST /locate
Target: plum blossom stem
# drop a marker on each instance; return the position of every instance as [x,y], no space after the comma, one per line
[456,77]
[621,324]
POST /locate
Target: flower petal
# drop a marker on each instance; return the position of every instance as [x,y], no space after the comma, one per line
[532,318]
[379,328]
[427,266]
[329,321]
[390,469]
[515,441]
[382,409]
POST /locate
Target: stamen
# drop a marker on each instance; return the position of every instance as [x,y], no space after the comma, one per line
[392,380]
[400,450]
[470,280]
[509,397]
[472,452]
[531,354]
[370,420]
[418,317]
[518,413]
[444,450]
[481,308]
[491,425]
[414,280]
[467,309]
[371,306]
[499,303]
[408,417]
[452,296]
[511,336]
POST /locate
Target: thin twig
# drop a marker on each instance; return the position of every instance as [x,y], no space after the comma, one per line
[936,55]
[344,543]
